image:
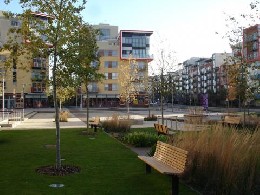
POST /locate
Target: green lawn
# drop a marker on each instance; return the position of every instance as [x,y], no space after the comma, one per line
[107,166]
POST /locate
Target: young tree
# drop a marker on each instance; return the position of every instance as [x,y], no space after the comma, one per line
[82,58]
[129,82]
[64,16]
[164,62]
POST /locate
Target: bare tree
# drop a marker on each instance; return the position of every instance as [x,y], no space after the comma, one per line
[164,62]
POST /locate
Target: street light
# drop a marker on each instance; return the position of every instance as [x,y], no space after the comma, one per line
[23,98]
[3,55]
[3,94]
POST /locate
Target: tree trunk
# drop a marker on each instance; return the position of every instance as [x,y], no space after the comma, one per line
[87,105]
[57,113]
[162,108]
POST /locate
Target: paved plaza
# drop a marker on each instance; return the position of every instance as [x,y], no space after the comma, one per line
[43,118]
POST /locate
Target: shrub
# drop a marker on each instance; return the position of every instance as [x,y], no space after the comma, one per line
[117,125]
[222,160]
[143,139]
[151,118]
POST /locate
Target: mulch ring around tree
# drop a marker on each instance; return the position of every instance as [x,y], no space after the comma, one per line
[52,170]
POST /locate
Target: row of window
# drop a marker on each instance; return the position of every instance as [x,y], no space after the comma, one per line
[114,64]
[137,40]
[38,87]
[136,53]
[103,52]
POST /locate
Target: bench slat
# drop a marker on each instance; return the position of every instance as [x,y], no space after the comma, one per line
[170,155]
[159,166]
[167,155]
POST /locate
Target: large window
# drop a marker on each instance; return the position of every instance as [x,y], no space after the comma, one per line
[104,34]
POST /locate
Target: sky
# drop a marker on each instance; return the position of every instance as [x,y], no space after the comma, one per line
[188,26]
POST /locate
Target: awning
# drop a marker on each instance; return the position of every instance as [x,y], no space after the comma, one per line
[101,96]
[34,96]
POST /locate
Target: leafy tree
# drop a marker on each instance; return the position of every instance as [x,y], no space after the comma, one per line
[245,88]
[65,86]
[129,81]
[82,58]
[63,17]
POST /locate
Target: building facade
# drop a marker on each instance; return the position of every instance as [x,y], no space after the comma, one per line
[24,83]
[251,52]
[121,53]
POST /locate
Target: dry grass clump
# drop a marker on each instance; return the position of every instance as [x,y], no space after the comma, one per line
[223,160]
[64,115]
[116,123]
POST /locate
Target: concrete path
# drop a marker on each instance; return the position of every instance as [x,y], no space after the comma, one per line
[44,117]
[45,120]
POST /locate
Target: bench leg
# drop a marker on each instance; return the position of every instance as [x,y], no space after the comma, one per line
[147,168]
[175,185]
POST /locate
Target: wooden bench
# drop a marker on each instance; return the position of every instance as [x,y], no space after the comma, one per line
[168,160]
[95,123]
[231,120]
[161,129]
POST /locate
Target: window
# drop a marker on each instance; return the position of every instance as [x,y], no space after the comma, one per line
[111,87]
[39,63]
[14,23]
[14,77]
[141,65]
[93,87]
[114,75]
[111,64]
[110,75]
[107,53]
[94,64]
[38,87]
[104,34]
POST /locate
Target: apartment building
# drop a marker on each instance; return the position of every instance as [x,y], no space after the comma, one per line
[204,78]
[251,52]
[24,83]
[117,50]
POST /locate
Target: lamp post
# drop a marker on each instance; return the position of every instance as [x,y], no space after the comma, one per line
[23,98]
[3,95]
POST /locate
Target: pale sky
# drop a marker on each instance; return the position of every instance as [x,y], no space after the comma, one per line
[189,26]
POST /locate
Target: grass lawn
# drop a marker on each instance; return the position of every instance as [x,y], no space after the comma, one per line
[107,166]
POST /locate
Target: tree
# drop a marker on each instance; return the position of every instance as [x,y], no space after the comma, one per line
[164,62]
[65,87]
[129,82]
[63,17]
[245,87]
[82,58]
